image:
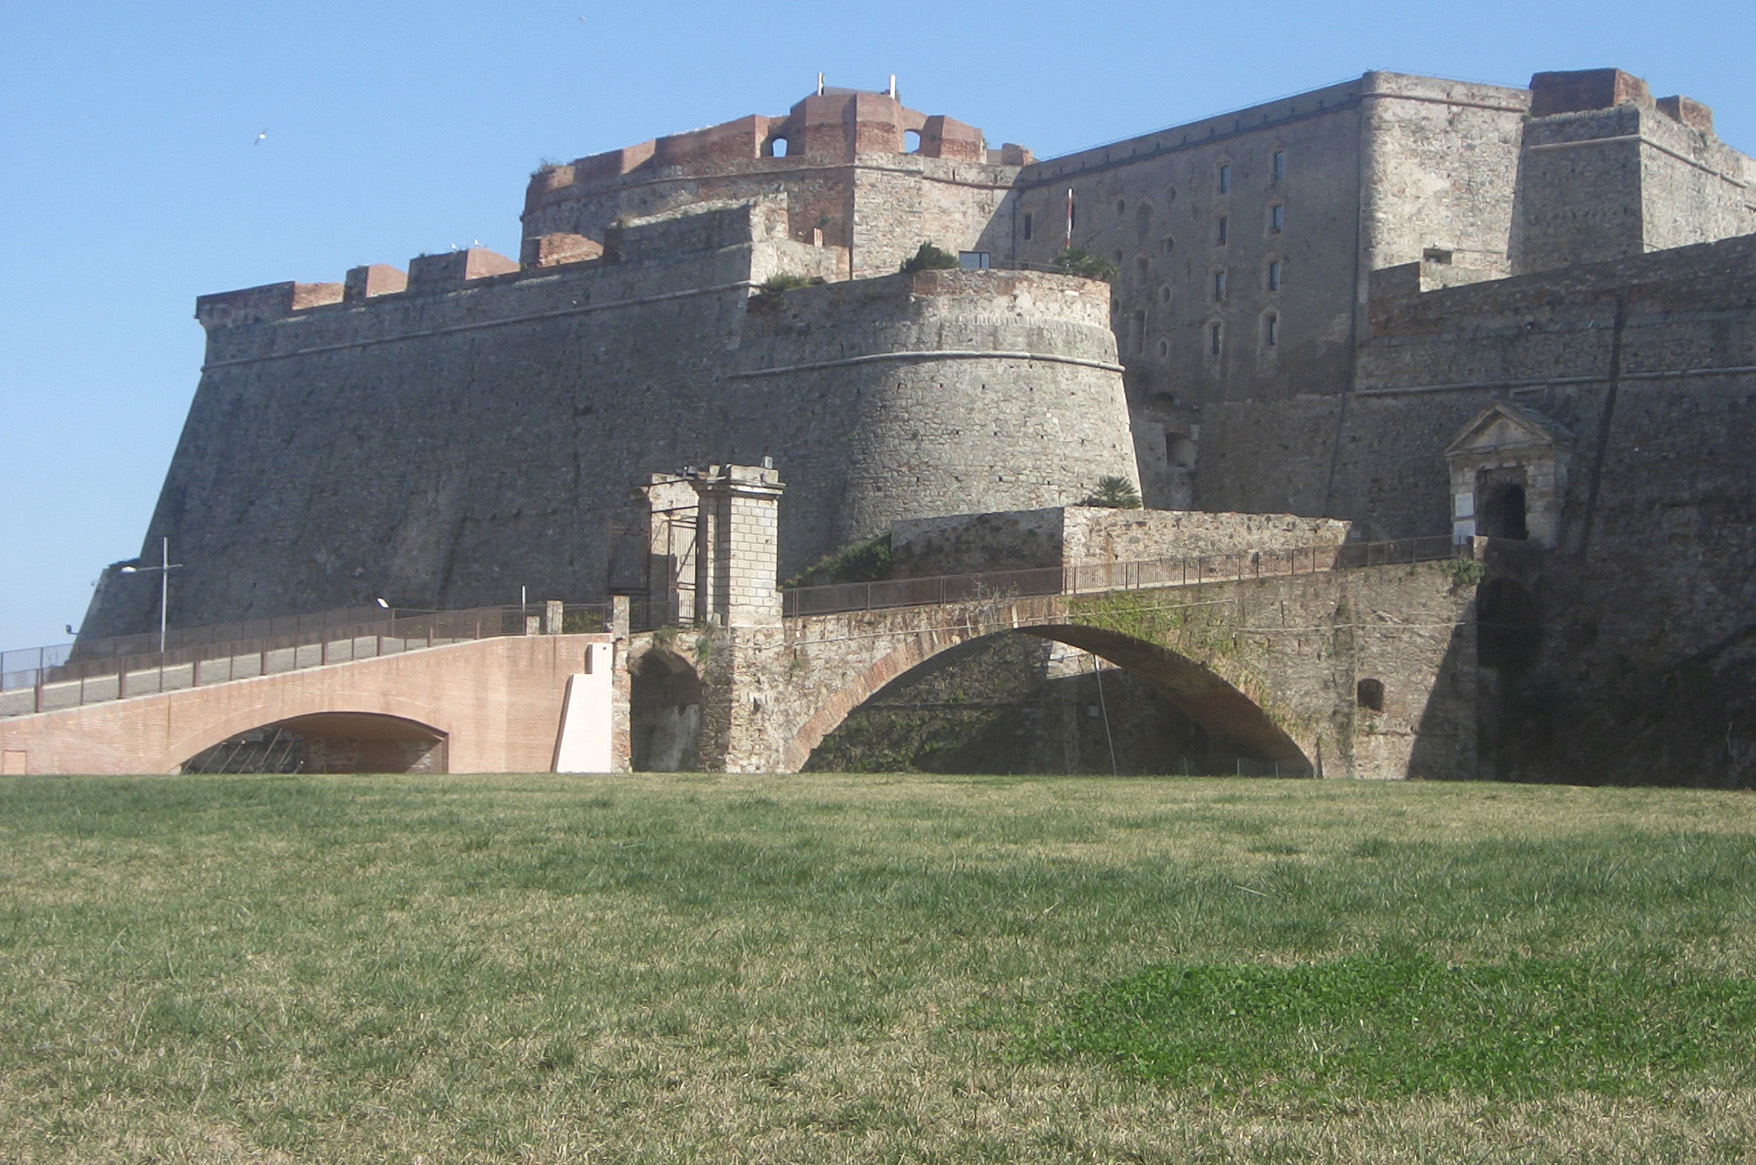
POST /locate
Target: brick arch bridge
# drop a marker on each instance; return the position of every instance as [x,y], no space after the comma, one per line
[1271,666]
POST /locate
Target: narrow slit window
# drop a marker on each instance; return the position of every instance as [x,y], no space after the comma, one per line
[1219,286]
[1274,275]
[1276,218]
[1027,225]
[1225,179]
[1280,165]
[1213,337]
[1219,231]
[1271,330]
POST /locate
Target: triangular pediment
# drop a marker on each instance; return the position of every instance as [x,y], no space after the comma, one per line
[1504,425]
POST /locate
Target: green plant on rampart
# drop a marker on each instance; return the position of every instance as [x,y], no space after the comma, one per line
[930,258]
[785,281]
[867,561]
[1115,493]
[1079,261]
[1466,572]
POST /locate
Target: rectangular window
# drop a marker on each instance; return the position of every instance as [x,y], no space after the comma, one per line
[1276,218]
[1219,286]
[1219,231]
[1027,226]
[1274,275]
[1271,330]
[1225,179]
[1213,339]
[1280,165]
[973,260]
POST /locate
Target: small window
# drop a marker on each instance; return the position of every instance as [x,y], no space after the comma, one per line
[1219,286]
[1369,694]
[1117,256]
[1276,218]
[1164,294]
[1164,349]
[1170,195]
[1213,338]
[1280,165]
[1027,225]
[911,141]
[1121,208]
[1271,330]
[1274,275]
[778,148]
[1225,179]
[1169,244]
[1219,230]
[973,260]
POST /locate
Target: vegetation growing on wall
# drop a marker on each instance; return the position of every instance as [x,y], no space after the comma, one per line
[1079,261]
[867,561]
[930,258]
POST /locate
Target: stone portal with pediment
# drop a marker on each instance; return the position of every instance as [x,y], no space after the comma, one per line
[1509,475]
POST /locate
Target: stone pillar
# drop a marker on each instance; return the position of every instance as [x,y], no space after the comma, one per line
[738,546]
[621,708]
[553,617]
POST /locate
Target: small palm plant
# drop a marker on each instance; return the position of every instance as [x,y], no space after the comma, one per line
[1116,493]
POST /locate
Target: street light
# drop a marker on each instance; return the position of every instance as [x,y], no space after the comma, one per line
[164,568]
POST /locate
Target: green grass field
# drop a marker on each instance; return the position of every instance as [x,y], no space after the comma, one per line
[841,968]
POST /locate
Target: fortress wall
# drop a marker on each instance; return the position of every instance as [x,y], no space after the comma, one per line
[445,448]
[1694,188]
[939,434]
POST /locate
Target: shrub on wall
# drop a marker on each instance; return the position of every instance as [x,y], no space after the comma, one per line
[930,258]
[1079,261]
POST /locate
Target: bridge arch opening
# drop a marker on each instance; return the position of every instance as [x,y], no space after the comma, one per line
[664,713]
[328,742]
[967,708]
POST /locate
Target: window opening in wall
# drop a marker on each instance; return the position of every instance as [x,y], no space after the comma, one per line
[1219,231]
[1219,286]
[778,148]
[1164,294]
[1280,165]
[1170,244]
[973,260]
[911,141]
[1436,255]
[1142,276]
[1164,349]
[1027,225]
[1121,208]
[1274,275]
[1213,339]
[1276,218]
[1117,256]
[1142,222]
[1271,330]
[1170,195]
[1179,451]
[1369,694]
[1225,179]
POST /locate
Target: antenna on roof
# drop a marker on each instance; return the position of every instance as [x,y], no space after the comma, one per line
[893,86]
[820,84]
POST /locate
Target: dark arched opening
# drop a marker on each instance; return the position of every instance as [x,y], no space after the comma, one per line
[1507,627]
[328,742]
[1502,513]
[1014,702]
[664,714]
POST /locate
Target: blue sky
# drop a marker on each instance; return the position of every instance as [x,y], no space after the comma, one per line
[129,183]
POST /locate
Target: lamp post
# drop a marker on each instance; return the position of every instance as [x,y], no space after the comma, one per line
[164,568]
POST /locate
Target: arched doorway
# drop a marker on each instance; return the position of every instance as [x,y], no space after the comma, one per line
[664,713]
[1502,512]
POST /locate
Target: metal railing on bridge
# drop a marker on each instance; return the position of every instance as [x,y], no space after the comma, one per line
[43,679]
[1094,578]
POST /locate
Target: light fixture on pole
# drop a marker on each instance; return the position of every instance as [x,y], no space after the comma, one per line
[164,568]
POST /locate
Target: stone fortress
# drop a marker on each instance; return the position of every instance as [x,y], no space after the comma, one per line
[1420,306]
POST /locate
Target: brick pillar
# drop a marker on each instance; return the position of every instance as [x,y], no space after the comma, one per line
[738,546]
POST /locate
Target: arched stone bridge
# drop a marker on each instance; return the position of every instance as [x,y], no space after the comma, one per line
[1366,672]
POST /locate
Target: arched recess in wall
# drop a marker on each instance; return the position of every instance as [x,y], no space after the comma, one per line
[327,742]
[664,713]
[1206,725]
[911,141]
[775,147]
